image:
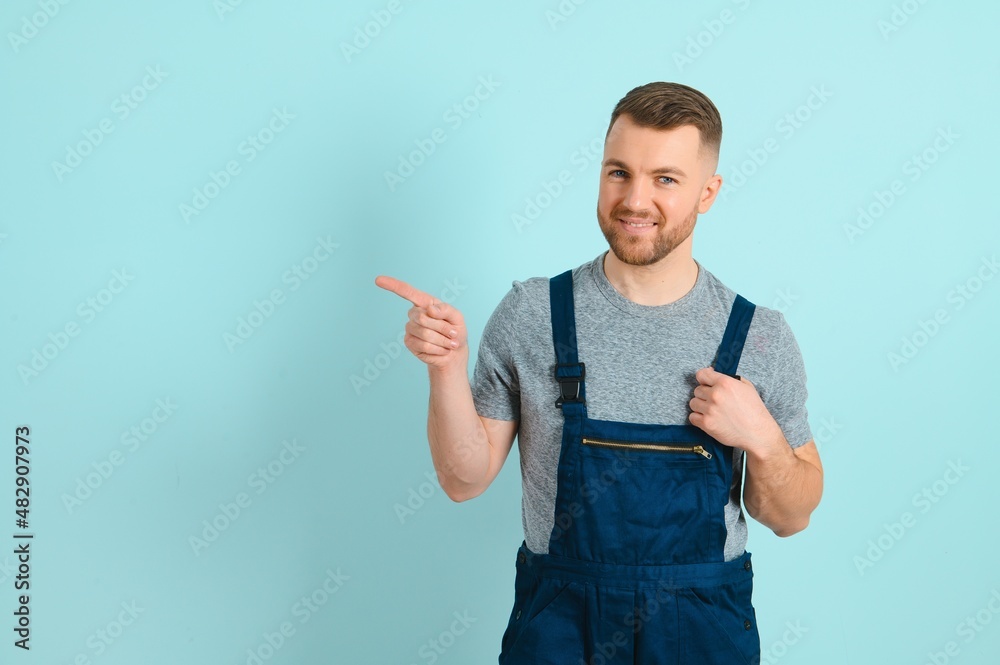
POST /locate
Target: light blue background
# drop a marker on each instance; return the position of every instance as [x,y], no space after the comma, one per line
[886,433]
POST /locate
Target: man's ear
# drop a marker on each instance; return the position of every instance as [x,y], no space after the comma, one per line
[709,192]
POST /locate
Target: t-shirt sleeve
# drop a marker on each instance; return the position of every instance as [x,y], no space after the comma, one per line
[495,388]
[785,391]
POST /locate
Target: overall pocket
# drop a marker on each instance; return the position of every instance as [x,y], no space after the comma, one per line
[648,502]
[545,625]
[524,585]
[723,624]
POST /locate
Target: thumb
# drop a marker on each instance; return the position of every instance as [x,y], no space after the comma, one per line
[442,310]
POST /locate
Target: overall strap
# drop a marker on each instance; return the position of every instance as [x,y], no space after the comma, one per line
[728,356]
[569,371]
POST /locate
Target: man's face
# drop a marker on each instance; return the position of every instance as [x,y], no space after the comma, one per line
[652,176]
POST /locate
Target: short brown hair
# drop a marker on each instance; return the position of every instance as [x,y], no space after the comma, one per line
[664,105]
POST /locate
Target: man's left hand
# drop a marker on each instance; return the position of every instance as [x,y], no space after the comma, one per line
[732,412]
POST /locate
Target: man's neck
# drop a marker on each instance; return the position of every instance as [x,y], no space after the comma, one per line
[661,283]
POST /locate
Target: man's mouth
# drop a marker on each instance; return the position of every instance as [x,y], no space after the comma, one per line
[636,225]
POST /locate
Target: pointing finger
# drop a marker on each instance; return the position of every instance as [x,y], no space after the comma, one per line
[404,290]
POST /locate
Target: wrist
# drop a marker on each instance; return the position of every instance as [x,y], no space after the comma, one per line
[456,366]
[771,447]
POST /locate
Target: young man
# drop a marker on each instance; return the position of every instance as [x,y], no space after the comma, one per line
[619,378]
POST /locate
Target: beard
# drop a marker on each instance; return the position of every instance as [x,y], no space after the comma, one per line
[640,250]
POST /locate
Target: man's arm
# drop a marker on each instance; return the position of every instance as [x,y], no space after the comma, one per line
[468,450]
[783,485]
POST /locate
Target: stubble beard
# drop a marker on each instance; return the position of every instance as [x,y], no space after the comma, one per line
[639,250]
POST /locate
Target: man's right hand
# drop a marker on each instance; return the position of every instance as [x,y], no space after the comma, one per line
[436,332]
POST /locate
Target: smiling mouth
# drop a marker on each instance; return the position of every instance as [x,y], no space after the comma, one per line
[636,224]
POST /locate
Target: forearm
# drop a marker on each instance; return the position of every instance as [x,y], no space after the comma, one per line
[781,489]
[458,441]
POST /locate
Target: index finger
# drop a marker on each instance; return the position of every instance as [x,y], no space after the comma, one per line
[404,290]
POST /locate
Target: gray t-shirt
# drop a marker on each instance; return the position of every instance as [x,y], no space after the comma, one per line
[641,361]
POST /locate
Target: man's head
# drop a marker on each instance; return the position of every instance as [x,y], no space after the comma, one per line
[660,156]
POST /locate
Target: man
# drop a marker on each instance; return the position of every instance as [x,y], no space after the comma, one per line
[619,378]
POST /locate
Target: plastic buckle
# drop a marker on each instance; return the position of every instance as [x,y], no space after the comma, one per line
[566,395]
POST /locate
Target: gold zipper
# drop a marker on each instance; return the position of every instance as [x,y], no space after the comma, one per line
[649,446]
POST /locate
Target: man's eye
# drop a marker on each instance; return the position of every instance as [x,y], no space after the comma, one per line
[616,171]
[666,177]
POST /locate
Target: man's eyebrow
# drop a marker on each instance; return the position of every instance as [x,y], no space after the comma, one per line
[672,170]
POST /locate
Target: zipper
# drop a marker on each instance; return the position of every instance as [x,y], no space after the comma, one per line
[700,450]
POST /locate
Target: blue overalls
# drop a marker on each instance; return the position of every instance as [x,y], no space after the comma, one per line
[635,571]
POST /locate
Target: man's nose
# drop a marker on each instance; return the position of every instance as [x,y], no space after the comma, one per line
[638,194]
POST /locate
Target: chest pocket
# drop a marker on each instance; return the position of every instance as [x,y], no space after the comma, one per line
[648,502]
